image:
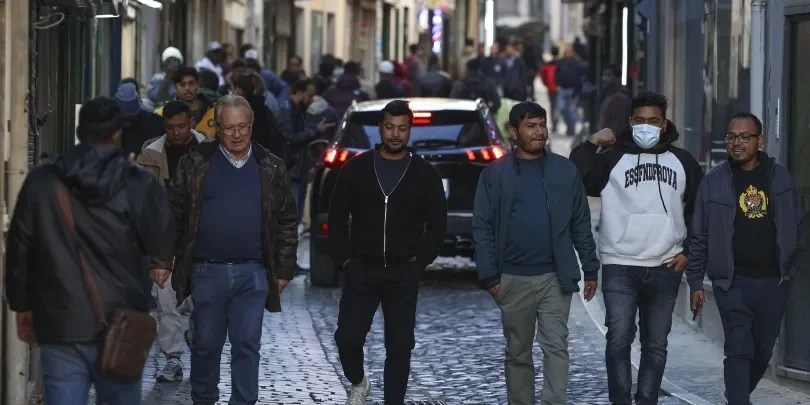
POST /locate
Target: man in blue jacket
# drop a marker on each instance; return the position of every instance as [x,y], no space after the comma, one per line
[526,226]
[749,234]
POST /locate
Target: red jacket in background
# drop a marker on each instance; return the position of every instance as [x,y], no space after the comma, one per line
[401,78]
[548,74]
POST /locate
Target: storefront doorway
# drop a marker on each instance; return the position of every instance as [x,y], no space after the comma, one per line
[797,318]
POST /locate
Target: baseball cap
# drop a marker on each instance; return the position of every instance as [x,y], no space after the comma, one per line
[128,99]
[214,46]
[171,52]
[252,54]
[386,67]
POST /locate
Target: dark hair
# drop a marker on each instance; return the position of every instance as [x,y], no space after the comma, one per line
[326,69]
[398,108]
[253,64]
[297,59]
[473,65]
[249,83]
[338,62]
[525,110]
[176,107]
[244,48]
[328,58]
[209,80]
[433,60]
[414,48]
[184,72]
[301,85]
[351,68]
[614,70]
[555,51]
[649,99]
[239,63]
[747,115]
[129,80]
[99,119]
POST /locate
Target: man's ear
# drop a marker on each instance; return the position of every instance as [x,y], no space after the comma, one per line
[513,132]
[664,127]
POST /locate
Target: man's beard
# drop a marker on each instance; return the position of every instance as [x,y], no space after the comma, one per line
[393,149]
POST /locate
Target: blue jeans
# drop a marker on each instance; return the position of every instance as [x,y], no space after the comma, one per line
[69,370]
[652,293]
[568,109]
[228,299]
[751,311]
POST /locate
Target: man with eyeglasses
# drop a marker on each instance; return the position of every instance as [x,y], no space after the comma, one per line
[235,250]
[648,189]
[748,235]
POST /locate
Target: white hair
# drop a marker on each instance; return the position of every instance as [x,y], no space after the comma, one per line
[233,101]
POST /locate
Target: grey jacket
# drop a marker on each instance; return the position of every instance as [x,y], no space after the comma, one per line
[710,247]
[567,208]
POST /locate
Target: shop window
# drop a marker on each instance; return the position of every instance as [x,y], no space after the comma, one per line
[316,47]
[726,71]
[331,33]
[300,32]
[797,318]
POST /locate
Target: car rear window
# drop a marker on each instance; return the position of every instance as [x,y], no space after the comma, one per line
[449,128]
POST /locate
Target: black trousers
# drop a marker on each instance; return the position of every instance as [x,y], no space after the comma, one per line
[367,287]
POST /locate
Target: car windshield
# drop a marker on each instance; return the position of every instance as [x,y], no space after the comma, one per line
[430,130]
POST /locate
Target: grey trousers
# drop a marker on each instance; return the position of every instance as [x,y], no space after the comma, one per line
[529,302]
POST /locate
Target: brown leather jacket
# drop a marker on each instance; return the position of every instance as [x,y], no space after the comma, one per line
[279,219]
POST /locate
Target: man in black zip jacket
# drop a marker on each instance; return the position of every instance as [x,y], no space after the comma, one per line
[398,222]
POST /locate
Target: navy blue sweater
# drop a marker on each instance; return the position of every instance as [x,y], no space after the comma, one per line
[529,251]
[231,213]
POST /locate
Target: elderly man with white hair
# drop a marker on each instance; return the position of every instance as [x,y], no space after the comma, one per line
[235,249]
[161,87]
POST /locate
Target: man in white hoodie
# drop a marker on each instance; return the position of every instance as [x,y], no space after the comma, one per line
[648,190]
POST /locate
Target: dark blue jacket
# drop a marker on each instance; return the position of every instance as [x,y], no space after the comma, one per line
[710,247]
[567,208]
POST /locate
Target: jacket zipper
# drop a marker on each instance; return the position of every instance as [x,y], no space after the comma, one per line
[385,214]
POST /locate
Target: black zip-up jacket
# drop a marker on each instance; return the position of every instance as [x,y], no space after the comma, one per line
[121,214]
[412,224]
[711,250]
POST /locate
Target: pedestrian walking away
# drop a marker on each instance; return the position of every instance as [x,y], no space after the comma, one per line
[648,189]
[398,222]
[160,156]
[139,125]
[748,236]
[114,215]
[233,266]
[524,252]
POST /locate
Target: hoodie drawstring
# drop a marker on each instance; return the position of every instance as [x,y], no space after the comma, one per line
[657,181]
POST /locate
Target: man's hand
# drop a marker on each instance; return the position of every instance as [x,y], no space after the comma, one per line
[603,137]
[697,301]
[159,276]
[324,126]
[25,327]
[282,284]
[679,263]
[494,290]
[590,289]
[787,278]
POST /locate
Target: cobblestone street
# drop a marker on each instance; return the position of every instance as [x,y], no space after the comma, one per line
[458,357]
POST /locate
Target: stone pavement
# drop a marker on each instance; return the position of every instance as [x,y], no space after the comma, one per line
[459,351]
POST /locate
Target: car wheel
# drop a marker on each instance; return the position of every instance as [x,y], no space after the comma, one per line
[322,270]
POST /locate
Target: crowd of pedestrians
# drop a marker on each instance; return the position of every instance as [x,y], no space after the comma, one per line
[207,191]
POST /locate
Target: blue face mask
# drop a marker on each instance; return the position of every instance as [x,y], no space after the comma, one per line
[646,136]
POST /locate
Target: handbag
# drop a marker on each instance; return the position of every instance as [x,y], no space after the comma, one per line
[126,335]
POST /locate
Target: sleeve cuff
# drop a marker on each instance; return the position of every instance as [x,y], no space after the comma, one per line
[491,281]
[695,284]
[590,146]
[591,275]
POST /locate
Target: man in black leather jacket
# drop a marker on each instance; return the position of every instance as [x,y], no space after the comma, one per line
[121,215]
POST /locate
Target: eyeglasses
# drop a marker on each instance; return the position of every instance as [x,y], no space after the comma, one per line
[744,137]
[243,129]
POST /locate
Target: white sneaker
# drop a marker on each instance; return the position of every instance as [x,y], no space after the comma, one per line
[359,393]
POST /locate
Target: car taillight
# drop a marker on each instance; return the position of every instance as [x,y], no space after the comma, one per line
[337,156]
[485,154]
[422,118]
[325,229]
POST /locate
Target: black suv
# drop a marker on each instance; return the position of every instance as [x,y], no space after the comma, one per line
[458,136]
